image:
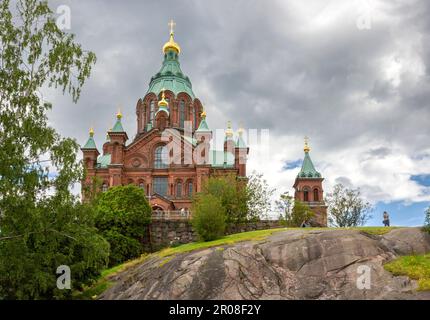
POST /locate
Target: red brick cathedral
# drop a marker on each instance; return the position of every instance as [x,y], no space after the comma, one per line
[308,189]
[170,155]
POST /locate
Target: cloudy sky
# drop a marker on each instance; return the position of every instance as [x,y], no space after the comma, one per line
[351,75]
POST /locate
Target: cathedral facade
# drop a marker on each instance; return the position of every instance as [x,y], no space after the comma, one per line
[170,155]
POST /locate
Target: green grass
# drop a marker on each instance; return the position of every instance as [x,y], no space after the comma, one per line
[416,267]
[375,230]
[227,240]
[368,230]
[104,282]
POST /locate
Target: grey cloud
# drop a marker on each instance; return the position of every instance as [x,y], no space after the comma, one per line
[255,62]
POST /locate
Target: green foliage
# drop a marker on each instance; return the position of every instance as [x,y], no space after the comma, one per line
[416,267]
[427,221]
[122,215]
[299,214]
[42,224]
[258,197]
[285,205]
[209,217]
[232,195]
[243,199]
[293,212]
[347,208]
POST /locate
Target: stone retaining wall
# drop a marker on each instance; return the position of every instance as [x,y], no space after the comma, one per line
[163,233]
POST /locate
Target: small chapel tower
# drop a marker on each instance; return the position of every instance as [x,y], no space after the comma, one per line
[309,190]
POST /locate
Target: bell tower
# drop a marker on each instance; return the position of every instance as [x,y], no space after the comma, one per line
[309,190]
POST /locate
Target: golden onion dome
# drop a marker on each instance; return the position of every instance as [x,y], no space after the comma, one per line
[171,44]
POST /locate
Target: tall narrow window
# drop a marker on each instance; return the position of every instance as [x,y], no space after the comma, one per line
[144,117]
[181,113]
[151,111]
[160,158]
[104,187]
[160,186]
[306,196]
[179,190]
[190,188]
[316,195]
[194,117]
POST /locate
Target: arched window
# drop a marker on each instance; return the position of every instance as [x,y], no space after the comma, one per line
[144,116]
[306,195]
[181,113]
[194,117]
[160,158]
[151,111]
[142,185]
[190,188]
[179,189]
[104,187]
[316,195]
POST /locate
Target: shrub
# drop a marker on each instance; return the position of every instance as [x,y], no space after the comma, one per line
[122,215]
[209,217]
[300,213]
[427,221]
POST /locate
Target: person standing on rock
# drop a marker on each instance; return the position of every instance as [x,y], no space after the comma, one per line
[386,220]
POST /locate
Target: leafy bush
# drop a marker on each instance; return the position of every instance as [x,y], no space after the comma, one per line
[231,194]
[427,221]
[29,260]
[209,217]
[300,213]
[347,208]
[123,213]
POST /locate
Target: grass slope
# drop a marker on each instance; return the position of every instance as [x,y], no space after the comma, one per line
[105,281]
[416,267]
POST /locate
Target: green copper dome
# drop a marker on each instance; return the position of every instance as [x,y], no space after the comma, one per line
[90,144]
[308,169]
[203,126]
[171,77]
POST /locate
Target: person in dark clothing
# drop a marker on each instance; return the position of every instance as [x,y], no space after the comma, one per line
[386,220]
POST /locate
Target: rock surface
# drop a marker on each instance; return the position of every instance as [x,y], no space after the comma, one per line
[292,264]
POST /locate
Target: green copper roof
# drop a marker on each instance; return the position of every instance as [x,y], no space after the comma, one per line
[90,144]
[240,143]
[103,161]
[203,126]
[221,159]
[170,77]
[118,126]
[308,169]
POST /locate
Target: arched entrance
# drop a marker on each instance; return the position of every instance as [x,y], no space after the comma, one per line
[157,211]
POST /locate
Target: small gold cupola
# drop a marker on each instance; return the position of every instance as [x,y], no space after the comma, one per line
[229,131]
[163,102]
[306,148]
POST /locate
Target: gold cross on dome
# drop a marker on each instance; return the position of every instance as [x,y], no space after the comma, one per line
[172,25]
[306,140]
